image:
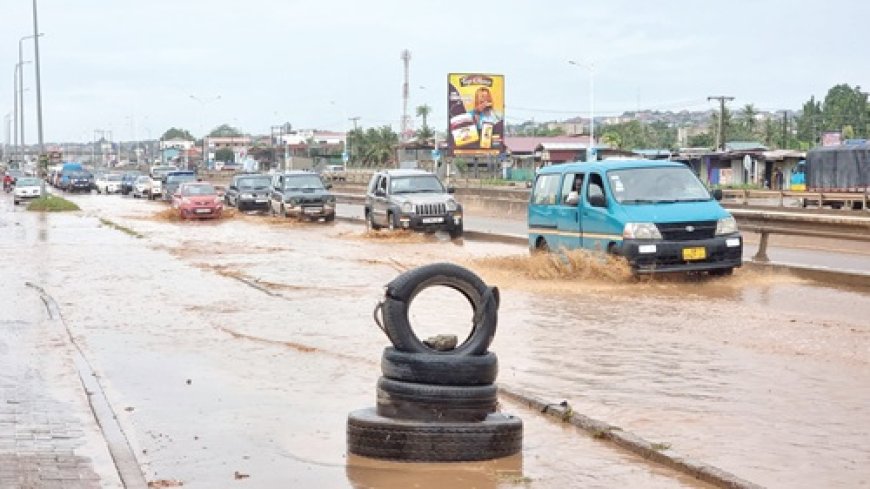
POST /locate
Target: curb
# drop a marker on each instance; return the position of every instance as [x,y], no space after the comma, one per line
[817,274]
[629,441]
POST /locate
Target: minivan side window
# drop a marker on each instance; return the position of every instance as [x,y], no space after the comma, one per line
[546,189]
[596,187]
[573,182]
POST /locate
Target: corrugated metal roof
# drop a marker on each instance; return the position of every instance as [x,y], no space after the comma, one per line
[744,146]
[527,144]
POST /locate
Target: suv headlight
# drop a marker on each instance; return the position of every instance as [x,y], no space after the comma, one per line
[451,205]
[726,225]
[330,199]
[293,201]
[407,208]
[641,230]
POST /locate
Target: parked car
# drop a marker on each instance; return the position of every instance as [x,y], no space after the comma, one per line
[175,178]
[127,181]
[303,195]
[146,187]
[248,191]
[197,200]
[26,188]
[412,199]
[108,183]
[334,173]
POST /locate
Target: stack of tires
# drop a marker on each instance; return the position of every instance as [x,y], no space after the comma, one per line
[436,403]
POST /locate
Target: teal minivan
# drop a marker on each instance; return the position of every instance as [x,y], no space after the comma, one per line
[656,214]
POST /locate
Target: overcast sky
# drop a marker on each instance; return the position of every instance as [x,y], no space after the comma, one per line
[126,65]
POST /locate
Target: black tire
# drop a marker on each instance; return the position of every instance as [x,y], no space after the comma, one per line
[370,216]
[402,290]
[330,218]
[375,436]
[456,232]
[391,222]
[284,211]
[426,368]
[435,403]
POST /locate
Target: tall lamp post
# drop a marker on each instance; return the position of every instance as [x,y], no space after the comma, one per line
[21,83]
[203,103]
[590,153]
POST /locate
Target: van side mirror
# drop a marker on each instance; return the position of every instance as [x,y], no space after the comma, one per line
[717,194]
[328,186]
[451,190]
[380,193]
[597,200]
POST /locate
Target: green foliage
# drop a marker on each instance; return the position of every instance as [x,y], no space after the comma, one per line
[225,130]
[52,203]
[703,140]
[225,154]
[638,135]
[461,165]
[373,147]
[846,106]
[176,133]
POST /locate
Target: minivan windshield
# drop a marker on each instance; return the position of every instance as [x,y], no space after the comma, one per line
[416,184]
[656,185]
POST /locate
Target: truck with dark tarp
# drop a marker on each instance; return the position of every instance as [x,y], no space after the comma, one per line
[843,169]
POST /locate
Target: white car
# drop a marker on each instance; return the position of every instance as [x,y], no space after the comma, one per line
[146,187]
[26,188]
[108,183]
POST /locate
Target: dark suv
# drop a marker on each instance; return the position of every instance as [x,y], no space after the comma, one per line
[249,191]
[412,199]
[303,195]
[173,179]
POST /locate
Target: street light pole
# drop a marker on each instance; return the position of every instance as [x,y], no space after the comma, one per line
[36,35]
[591,67]
[15,116]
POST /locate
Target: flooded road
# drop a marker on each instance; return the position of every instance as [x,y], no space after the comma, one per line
[237,348]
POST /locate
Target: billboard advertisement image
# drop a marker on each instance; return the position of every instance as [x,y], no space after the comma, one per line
[475,113]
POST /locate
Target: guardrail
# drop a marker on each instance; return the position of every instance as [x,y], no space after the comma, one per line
[848,200]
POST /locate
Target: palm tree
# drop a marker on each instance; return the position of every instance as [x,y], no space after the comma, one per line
[748,115]
[424,111]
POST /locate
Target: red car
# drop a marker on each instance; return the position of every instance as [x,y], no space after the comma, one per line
[197,200]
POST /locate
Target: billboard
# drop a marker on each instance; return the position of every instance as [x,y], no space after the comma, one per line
[475,108]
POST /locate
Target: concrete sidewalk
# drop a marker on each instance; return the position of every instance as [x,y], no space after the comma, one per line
[49,438]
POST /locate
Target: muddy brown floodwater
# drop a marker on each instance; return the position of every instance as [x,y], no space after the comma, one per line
[243,343]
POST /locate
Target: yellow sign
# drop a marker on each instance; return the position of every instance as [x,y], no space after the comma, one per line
[476,113]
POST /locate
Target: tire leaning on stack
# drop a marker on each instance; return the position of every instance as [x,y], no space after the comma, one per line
[436,405]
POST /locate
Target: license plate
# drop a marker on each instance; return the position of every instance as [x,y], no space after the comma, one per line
[203,211]
[313,210]
[694,253]
[261,201]
[432,220]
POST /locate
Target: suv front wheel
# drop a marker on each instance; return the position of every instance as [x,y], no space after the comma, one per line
[391,221]
[370,221]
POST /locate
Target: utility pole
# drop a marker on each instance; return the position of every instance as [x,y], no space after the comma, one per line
[38,88]
[349,153]
[720,138]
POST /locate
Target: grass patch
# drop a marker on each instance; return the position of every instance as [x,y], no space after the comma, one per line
[52,203]
[123,229]
[660,446]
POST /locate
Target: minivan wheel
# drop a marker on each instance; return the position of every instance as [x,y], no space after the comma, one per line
[541,246]
[391,223]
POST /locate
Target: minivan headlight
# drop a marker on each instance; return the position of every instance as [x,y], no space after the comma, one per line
[407,207]
[641,230]
[726,225]
[451,205]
